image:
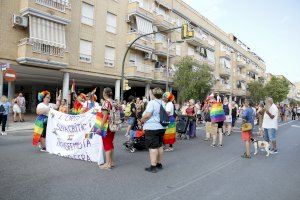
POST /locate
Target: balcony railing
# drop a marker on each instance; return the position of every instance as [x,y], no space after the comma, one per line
[59,5]
[140,67]
[42,47]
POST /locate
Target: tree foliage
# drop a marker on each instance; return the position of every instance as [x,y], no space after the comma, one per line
[257,91]
[192,79]
[277,88]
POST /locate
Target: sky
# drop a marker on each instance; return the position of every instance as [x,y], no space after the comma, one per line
[271,28]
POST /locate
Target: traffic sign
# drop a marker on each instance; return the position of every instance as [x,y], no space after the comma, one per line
[10,75]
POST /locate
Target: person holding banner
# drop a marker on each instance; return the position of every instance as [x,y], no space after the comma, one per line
[42,110]
[102,128]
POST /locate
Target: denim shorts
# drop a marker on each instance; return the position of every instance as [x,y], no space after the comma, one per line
[270,134]
[131,121]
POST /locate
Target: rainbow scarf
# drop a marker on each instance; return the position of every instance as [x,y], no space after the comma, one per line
[96,129]
[39,126]
[217,113]
[170,134]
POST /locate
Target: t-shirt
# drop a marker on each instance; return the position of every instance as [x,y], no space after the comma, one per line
[226,109]
[153,123]
[44,107]
[133,110]
[248,115]
[267,121]
[198,109]
[6,106]
[170,108]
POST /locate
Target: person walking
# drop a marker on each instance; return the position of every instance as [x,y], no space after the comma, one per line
[17,110]
[234,113]
[154,131]
[260,115]
[294,113]
[298,111]
[206,115]
[191,112]
[248,117]
[22,104]
[217,116]
[270,124]
[4,111]
[42,110]
[170,134]
[102,128]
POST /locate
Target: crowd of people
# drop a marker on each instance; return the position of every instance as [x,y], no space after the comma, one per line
[157,117]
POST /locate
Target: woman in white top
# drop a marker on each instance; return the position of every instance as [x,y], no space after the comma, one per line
[17,110]
[170,134]
[42,111]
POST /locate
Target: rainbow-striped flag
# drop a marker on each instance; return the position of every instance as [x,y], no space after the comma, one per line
[217,113]
[39,126]
[96,129]
[77,108]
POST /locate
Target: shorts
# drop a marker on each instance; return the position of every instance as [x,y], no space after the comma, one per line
[228,119]
[131,121]
[220,124]
[108,141]
[246,135]
[154,138]
[270,134]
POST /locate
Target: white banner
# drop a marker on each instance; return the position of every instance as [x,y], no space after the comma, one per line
[70,136]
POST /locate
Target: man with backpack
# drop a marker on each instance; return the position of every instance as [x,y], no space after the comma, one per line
[130,113]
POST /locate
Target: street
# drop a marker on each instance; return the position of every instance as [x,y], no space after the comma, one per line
[193,171]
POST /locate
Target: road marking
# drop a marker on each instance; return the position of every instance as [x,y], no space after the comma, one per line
[295,126]
[193,180]
[285,123]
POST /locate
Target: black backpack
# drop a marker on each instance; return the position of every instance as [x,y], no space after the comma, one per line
[163,116]
[2,110]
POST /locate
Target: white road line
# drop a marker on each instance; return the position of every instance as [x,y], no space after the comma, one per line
[295,126]
[285,123]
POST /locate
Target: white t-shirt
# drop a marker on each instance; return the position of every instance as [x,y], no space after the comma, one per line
[267,121]
[45,108]
[198,109]
[170,108]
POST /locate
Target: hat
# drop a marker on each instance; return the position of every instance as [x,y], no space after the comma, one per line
[169,96]
[82,97]
[41,95]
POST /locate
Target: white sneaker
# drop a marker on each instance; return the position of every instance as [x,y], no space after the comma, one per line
[3,133]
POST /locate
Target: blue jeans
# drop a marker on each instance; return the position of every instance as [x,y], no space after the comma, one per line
[192,129]
[270,134]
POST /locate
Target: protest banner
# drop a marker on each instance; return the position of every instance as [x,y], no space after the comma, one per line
[70,136]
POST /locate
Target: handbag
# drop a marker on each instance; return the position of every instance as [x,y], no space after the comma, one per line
[246,127]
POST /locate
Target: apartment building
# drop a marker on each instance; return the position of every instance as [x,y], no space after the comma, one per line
[49,43]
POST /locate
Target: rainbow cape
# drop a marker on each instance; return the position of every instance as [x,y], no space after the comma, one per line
[217,113]
[96,129]
[170,134]
[39,126]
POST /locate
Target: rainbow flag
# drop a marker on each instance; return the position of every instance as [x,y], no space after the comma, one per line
[77,108]
[170,134]
[39,126]
[217,113]
[96,128]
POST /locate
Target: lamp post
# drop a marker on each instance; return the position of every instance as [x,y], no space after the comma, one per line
[169,44]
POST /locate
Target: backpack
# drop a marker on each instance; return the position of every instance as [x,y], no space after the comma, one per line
[128,110]
[115,119]
[163,116]
[2,110]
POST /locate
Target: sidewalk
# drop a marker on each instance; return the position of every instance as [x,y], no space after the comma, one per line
[20,126]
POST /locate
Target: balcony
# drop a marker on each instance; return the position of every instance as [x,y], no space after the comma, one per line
[139,71]
[134,8]
[223,88]
[224,71]
[145,44]
[163,22]
[161,49]
[160,75]
[54,10]
[197,40]
[37,53]
[241,63]
[225,54]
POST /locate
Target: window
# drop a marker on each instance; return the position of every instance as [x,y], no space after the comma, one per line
[85,51]
[178,50]
[225,63]
[210,56]
[87,14]
[191,51]
[110,56]
[111,23]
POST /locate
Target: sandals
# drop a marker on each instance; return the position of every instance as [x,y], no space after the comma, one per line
[105,167]
[245,156]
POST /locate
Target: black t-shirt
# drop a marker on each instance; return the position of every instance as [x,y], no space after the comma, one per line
[234,112]
[133,110]
[226,109]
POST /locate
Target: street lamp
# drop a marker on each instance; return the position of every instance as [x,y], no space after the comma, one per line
[170,43]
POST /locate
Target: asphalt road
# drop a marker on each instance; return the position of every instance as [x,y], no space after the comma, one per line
[193,171]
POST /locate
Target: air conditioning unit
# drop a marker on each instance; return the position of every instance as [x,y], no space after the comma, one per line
[147,56]
[155,29]
[154,57]
[20,21]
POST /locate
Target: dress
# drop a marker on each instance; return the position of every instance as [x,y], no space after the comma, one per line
[16,108]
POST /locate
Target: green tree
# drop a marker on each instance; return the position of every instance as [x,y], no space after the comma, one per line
[192,79]
[277,88]
[257,91]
